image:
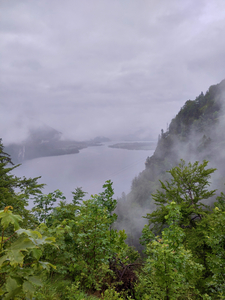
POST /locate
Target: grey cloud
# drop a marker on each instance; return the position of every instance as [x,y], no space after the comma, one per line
[106,67]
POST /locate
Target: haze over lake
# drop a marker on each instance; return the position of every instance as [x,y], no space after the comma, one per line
[88,169]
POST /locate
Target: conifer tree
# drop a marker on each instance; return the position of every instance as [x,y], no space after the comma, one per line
[15,191]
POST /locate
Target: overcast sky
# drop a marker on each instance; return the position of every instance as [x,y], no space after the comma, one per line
[105,67]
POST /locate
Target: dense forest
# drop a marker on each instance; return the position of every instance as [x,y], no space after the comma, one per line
[80,250]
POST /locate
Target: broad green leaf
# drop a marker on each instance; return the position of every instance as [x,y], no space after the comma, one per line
[32,233]
[2,259]
[46,265]
[1,292]
[44,240]
[12,288]
[8,217]
[15,257]
[22,244]
[28,288]
[35,280]
[36,253]
[23,273]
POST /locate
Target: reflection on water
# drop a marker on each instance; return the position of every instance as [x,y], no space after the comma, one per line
[89,169]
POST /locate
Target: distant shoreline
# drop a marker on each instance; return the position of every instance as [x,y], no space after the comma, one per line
[135,145]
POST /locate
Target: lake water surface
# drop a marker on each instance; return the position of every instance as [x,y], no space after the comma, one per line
[88,169]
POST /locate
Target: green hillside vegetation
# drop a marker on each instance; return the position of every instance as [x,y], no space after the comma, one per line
[71,250]
[78,249]
[196,133]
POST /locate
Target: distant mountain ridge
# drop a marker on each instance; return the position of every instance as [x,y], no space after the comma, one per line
[46,141]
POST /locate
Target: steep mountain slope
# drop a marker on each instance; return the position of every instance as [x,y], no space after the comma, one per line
[196,133]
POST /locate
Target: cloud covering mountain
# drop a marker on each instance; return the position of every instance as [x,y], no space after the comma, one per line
[107,67]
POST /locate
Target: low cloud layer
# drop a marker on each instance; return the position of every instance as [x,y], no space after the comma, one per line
[105,67]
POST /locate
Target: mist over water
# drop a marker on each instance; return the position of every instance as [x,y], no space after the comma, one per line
[88,169]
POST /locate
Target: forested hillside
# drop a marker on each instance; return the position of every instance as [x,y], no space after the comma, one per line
[69,251]
[194,134]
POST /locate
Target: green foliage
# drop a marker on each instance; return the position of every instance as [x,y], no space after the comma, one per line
[73,292]
[61,289]
[188,187]
[78,196]
[194,134]
[170,271]
[199,113]
[96,241]
[111,294]
[211,247]
[44,205]
[106,199]
[19,258]
[15,191]
[187,261]
[85,238]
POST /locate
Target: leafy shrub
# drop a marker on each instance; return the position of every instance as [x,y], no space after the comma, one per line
[20,260]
